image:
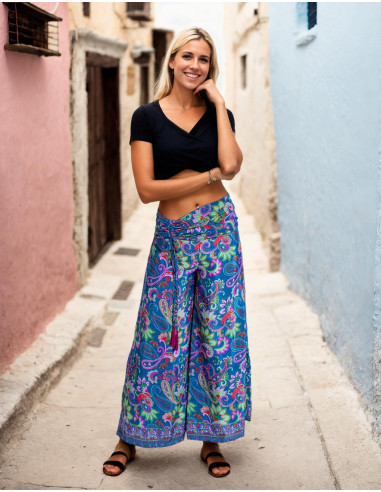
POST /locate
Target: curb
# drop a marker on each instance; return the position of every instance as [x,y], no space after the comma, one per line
[42,365]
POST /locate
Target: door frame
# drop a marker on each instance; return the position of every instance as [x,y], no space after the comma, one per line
[82,41]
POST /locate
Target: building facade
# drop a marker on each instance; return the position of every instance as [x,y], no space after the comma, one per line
[248,93]
[112,73]
[37,263]
[326,91]
[67,184]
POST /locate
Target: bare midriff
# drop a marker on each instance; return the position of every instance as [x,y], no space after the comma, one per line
[175,208]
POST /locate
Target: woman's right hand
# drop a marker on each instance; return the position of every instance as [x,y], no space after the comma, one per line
[217,174]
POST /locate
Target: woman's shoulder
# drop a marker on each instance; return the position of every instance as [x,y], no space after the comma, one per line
[143,123]
[145,109]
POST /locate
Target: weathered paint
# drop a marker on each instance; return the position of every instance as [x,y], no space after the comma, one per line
[246,34]
[110,32]
[37,267]
[327,107]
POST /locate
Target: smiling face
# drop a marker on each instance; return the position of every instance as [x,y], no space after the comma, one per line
[191,63]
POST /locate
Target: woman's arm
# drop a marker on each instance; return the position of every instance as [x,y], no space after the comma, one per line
[229,154]
[151,190]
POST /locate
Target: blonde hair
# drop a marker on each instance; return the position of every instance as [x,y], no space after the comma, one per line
[164,83]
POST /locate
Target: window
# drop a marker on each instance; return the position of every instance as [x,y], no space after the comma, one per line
[142,56]
[243,71]
[86,9]
[306,22]
[144,84]
[138,10]
[32,29]
[161,39]
[311,14]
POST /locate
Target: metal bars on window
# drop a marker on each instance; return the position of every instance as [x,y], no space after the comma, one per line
[32,29]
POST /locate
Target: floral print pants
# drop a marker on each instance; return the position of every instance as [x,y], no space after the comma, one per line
[189,367]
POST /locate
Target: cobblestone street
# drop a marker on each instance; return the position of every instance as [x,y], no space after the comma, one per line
[308,430]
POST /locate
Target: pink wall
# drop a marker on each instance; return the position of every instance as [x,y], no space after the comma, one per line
[38,273]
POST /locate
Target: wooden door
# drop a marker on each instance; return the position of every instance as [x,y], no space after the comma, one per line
[104,187]
[161,39]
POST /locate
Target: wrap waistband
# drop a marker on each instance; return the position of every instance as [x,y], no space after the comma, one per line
[208,221]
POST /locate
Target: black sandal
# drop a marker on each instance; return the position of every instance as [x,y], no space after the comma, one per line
[119,464]
[215,464]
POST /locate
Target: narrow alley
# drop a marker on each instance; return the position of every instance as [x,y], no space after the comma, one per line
[308,430]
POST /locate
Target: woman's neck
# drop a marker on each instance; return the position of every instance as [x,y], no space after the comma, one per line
[184,99]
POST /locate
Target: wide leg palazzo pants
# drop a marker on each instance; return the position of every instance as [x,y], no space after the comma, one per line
[189,367]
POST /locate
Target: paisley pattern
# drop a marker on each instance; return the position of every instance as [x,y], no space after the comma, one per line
[199,384]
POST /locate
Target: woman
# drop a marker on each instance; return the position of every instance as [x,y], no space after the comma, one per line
[189,368]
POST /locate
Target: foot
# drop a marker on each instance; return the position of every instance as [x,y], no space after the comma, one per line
[207,447]
[130,451]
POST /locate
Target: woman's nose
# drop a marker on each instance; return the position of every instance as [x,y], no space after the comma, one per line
[194,63]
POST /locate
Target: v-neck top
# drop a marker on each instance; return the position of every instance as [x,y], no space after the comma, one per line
[175,149]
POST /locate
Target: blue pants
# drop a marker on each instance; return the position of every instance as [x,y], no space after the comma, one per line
[189,367]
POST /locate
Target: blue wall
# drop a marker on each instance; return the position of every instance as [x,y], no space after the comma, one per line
[327,109]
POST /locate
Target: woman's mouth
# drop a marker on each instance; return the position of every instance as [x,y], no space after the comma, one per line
[191,75]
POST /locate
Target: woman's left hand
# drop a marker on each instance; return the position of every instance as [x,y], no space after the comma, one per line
[211,91]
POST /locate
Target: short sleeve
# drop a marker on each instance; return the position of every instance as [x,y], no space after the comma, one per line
[231,119]
[141,126]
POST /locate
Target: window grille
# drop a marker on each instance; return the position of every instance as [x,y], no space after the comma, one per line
[32,29]
[138,10]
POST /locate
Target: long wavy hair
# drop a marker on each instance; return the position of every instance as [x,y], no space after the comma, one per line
[164,83]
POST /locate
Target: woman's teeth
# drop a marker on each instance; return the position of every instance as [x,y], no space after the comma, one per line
[192,76]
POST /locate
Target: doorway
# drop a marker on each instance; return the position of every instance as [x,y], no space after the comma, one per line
[104,186]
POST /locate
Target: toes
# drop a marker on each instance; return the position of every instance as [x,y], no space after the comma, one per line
[111,469]
[221,470]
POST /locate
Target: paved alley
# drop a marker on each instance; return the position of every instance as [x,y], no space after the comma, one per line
[308,430]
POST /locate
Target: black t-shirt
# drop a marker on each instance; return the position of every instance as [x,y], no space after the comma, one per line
[174,149]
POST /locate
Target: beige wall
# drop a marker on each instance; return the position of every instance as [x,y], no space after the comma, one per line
[247,34]
[107,31]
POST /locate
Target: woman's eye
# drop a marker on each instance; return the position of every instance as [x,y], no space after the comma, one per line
[201,59]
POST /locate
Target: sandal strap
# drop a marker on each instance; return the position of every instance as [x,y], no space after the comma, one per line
[213,453]
[120,452]
[218,463]
[115,463]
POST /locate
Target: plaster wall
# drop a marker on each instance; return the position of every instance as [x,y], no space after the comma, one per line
[327,106]
[246,34]
[107,31]
[37,266]
[109,19]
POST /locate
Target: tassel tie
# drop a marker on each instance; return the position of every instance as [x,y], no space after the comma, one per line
[175,332]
